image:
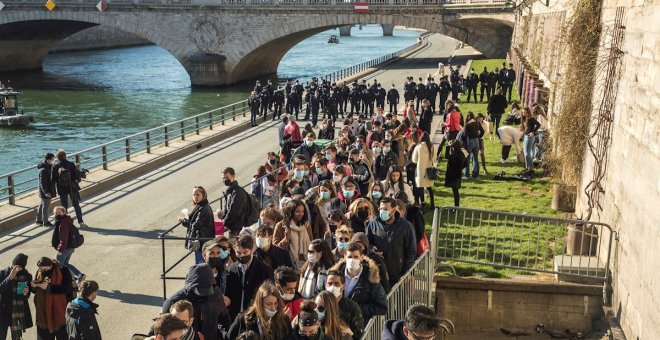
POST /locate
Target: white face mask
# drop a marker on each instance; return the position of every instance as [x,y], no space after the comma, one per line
[353,265]
[270,313]
[287,297]
[336,291]
[312,258]
[262,242]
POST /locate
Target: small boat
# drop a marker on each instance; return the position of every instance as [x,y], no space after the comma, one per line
[333,40]
[9,114]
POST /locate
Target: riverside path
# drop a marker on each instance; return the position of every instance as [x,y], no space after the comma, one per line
[121,250]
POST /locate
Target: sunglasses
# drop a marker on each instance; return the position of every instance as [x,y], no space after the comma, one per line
[343,239]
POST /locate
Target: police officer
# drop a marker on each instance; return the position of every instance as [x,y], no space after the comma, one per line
[432,90]
[409,89]
[264,98]
[368,102]
[298,89]
[271,91]
[331,102]
[315,105]
[420,93]
[257,87]
[454,79]
[355,98]
[253,104]
[493,80]
[380,96]
[510,79]
[278,100]
[393,99]
[445,89]
[484,79]
[345,95]
[472,81]
[308,97]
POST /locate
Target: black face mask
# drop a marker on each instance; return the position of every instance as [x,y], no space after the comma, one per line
[215,262]
[46,273]
[227,182]
[363,214]
[272,161]
[244,259]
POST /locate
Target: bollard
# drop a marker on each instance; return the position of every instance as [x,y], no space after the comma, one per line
[11,189]
[166,137]
[128,149]
[147,139]
[78,161]
[222,115]
[104,155]
[210,121]
[197,125]
[183,131]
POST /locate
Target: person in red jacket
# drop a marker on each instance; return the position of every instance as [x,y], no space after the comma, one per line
[293,130]
[286,281]
[453,126]
[65,249]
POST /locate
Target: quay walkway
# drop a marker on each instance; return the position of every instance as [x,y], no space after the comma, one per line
[121,250]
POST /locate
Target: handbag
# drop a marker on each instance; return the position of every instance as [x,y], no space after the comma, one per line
[422,245]
[432,173]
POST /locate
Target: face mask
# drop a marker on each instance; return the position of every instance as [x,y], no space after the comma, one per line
[384,215]
[349,193]
[245,259]
[388,138]
[336,291]
[299,174]
[272,161]
[328,156]
[196,291]
[312,258]
[386,149]
[215,262]
[319,171]
[287,297]
[305,173]
[325,195]
[309,143]
[227,182]
[336,179]
[363,214]
[352,265]
[375,130]
[224,253]
[376,150]
[262,242]
[270,313]
[359,146]
[321,314]
[376,194]
[342,245]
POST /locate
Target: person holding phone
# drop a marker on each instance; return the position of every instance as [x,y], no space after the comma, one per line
[15,315]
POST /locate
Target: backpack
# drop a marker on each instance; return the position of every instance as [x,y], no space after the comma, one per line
[253,210]
[256,188]
[64,177]
[75,238]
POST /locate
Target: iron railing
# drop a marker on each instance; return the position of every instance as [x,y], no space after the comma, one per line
[525,243]
[25,181]
[271,3]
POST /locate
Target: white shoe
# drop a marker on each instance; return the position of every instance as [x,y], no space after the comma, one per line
[83,225]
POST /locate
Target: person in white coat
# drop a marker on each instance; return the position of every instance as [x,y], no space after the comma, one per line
[423,156]
[509,136]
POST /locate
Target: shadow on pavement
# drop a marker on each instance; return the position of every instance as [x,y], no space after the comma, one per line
[134,299]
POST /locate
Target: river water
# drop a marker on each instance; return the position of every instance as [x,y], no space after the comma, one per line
[83,99]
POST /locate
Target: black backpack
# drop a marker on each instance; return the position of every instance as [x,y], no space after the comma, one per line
[63,177]
[75,238]
[253,210]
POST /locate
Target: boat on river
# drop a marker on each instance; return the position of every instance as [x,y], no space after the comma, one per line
[9,111]
[333,40]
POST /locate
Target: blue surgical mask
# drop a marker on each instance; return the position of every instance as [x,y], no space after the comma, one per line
[384,214]
[328,156]
[376,194]
[348,193]
[319,171]
[309,143]
[376,150]
[321,314]
[325,195]
[224,253]
[342,245]
[299,174]
[386,149]
[305,173]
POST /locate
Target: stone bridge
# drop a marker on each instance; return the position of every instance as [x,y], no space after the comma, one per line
[229,41]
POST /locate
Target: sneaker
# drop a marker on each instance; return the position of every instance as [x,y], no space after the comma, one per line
[466,177]
[48,224]
[39,222]
[83,225]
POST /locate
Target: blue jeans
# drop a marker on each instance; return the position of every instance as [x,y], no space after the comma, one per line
[64,197]
[472,148]
[538,152]
[528,149]
[198,257]
[64,259]
[253,116]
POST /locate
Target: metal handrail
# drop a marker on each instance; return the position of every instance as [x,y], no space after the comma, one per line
[173,130]
[278,3]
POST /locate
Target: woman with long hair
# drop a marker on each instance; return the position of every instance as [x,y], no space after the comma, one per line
[426,116]
[539,114]
[294,232]
[315,269]
[361,212]
[336,218]
[199,223]
[395,182]
[375,193]
[529,125]
[266,316]
[326,195]
[485,125]
[423,157]
[330,317]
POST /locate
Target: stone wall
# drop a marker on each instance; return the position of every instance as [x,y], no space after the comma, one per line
[630,190]
[99,37]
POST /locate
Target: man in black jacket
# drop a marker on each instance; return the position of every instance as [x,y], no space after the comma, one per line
[510,79]
[432,90]
[349,311]
[81,313]
[66,177]
[46,190]
[472,82]
[253,104]
[394,238]
[308,149]
[273,256]
[245,276]
[455,78]
[362,282]
[208,303]
[15,295]
[445,89]
[237,206]
[278,100]
[393,98]
[420,323]
[380,96]
[484,79]
[420,93]
[493,80]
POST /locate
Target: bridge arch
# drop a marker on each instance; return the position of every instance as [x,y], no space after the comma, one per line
[491,36]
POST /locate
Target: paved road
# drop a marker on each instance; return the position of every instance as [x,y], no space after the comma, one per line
[121,251]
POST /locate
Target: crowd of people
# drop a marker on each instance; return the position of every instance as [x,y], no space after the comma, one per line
[329,223]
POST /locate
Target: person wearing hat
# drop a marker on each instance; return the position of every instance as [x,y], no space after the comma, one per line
[217,254]
[308,325]
[409,89]
[15,316]
[362,240]
[52,291]
[484,79]
[445,89]
[208,303]
[393,98]
[46,190]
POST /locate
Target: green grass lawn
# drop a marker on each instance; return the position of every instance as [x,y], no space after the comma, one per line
[532,197]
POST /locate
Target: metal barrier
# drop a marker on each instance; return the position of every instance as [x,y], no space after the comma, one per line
[25,181]
[564,247]
[276,3]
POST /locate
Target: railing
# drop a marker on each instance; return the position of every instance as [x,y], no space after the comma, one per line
[525,243]
[25,181]
[230,3]
[415,287]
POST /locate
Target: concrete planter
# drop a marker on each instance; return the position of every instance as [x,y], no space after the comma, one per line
[563,198]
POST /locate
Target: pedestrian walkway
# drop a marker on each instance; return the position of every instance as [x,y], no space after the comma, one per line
[121,251]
